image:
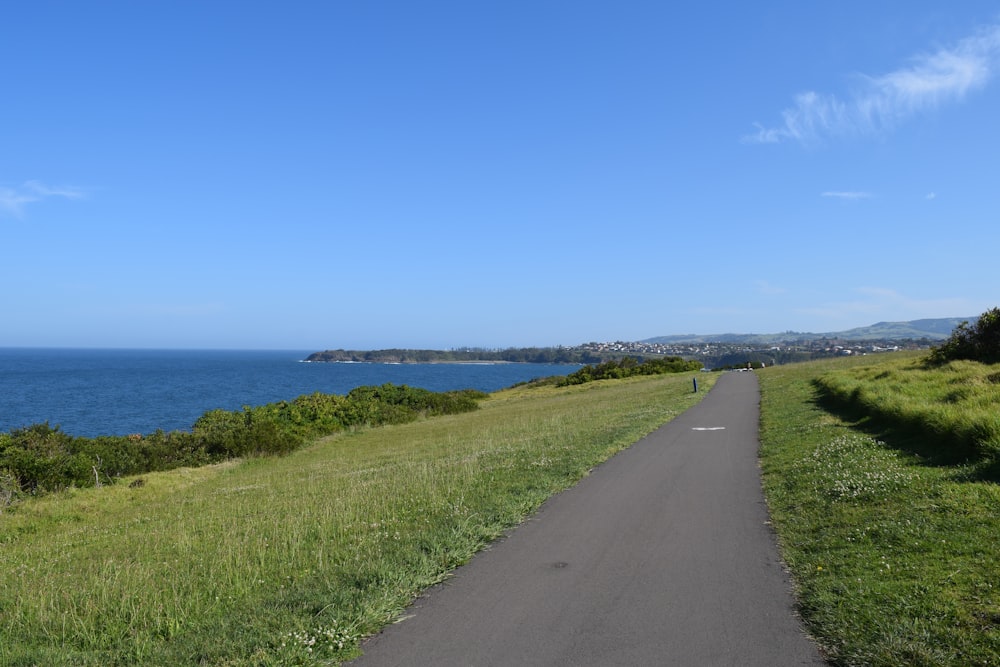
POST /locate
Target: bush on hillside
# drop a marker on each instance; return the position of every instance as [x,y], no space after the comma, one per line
[225,434]
[976,342]
[629,367]
[41,458]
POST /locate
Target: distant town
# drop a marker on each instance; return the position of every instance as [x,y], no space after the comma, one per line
[712,355]
[714,351]
[721,354]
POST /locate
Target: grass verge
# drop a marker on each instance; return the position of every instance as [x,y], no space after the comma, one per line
[951,408]
[894,552]
[284,561]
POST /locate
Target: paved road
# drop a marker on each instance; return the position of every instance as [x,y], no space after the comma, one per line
[662,556]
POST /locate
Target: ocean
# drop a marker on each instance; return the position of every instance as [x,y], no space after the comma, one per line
[91,392]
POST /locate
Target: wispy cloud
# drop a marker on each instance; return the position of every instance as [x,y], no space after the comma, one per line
[880,102]
[764,287]
[887,304]
[13,200]
[851,196]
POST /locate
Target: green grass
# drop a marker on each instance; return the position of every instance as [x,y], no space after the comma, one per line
[952,408]
[880,473]
[283,561]
[891,536]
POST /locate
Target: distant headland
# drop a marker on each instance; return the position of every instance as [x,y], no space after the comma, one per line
[713,349]
[530,355]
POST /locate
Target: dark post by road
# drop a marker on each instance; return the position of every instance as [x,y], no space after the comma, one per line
[695,381]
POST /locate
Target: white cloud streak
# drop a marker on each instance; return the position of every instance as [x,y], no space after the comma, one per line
[42,190]
[851,196]
[887,304]
[928,81]
[764,287]
[14,200]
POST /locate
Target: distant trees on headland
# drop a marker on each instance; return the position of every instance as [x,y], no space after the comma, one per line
[533,355]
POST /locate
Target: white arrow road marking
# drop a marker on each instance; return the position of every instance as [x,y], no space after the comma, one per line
[709,428]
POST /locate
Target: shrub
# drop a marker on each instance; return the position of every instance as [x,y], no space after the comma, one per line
[629,367]
[41,458]
[226,434]
[976,342]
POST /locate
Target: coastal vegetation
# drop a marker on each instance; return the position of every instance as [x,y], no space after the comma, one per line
[628,367]
[41,458]
[291,560]
[881,475]
[979,341]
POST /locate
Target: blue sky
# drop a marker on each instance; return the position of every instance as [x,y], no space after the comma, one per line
[314,175]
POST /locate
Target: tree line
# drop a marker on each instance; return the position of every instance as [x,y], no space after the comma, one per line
[533,355]
[629,367]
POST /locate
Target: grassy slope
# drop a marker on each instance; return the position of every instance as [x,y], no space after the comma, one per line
[291,560]
[894,553]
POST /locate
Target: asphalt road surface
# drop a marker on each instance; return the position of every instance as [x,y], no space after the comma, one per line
[662,556]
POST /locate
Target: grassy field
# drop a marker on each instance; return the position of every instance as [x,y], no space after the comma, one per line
[283,561]
[881,477]
[881,474]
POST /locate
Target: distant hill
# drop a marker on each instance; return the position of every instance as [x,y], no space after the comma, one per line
[934,329]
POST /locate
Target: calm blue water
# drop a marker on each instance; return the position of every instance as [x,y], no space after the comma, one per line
[115,392]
